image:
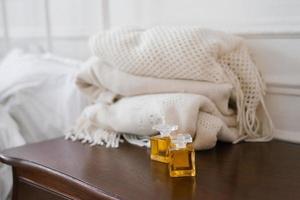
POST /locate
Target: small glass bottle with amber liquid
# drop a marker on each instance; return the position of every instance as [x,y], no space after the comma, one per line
[182,156]
[160,144]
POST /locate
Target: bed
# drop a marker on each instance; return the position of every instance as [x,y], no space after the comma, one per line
[35,87]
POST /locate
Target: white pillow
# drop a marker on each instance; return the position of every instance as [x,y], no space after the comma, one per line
[40,93]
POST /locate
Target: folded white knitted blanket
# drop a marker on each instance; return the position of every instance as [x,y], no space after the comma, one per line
[185,76]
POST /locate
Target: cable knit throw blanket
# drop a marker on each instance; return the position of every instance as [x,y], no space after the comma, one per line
[201,80]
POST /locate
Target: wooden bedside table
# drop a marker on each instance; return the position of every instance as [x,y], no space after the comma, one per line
[60,169]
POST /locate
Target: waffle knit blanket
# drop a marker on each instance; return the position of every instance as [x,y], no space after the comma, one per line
[201,80]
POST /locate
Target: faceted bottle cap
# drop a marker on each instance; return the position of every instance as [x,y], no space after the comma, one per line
[180,140]
[165,129]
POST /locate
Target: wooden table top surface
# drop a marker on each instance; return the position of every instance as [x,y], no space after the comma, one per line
[241,171]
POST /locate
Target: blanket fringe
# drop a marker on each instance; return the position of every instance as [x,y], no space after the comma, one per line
[239,98]
[141,141]
[247,119]
[87,133]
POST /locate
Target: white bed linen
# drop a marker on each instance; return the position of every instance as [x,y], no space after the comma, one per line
[39,93]
[9,137]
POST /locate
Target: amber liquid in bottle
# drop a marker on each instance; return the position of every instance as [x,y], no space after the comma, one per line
[160,148]
[182,161]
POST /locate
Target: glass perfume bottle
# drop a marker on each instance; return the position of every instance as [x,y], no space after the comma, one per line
[182,156]
[160,144]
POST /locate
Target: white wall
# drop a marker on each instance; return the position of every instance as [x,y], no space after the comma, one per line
[232,15]
[72,21]
[271,27]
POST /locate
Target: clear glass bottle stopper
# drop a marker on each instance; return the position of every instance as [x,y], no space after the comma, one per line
[180,140]
[165,129]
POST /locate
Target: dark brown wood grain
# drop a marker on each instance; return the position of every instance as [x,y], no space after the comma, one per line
[71,170]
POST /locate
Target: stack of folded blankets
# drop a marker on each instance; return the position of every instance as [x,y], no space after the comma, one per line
[201,80]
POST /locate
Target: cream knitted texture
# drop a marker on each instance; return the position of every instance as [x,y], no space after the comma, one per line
[189,53]
[184,75]
[175,53]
